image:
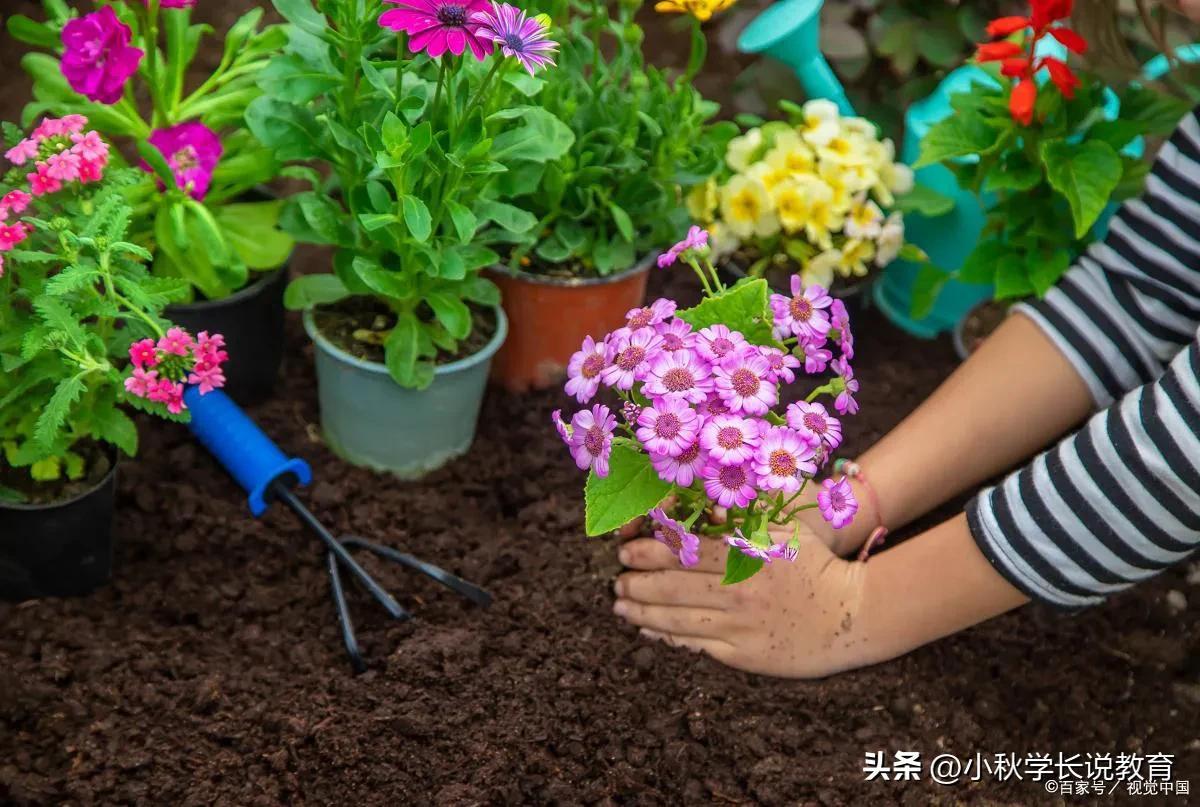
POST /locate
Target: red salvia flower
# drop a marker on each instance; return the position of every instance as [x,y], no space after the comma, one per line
[1020,103]
[1048,11]
[1070,40]
[1015,68]
[1063,77]
[1006,26]
[995,51]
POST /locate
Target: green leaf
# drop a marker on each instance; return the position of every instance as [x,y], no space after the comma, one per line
[510,218]
[395,133]
[38,34]
[291,130]
[464,220]
[1012,278]
[1133,179]
[58,408]
[396,285]
[289,78]
[926,287]
[961,136]
[924,201]
[742,308]
[1016,173]
[451,312]
[376,221]
[631,489]
[540,137]
[252,229]
[980,264]
[309,290]
[1086,174]
[1045,269]
[622,220]
[114,426]
[314,218]
[301,14]
[739,566]
[1156,112]
[401,352]
[416,218]
[155,159]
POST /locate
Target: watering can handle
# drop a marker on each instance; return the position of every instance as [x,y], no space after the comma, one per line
[820,81]
[237,442]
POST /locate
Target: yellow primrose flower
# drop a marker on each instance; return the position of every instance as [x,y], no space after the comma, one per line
[823,218]
[865,218]
[847,149]
[702,201]
[790,154]
[741,149]
[819,122]
[860,127]
[768,175]
[819,270]
[891,238]
[791,204]
[856,254]
[747,209]
[700,9]
[721,240]
[835,178]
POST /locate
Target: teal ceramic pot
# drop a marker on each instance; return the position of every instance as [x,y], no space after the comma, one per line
[371,421]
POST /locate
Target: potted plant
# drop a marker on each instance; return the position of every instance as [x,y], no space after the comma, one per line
[697,427]
[199,207]
[82,338]
[1048,151]
[414,114]
[639,141]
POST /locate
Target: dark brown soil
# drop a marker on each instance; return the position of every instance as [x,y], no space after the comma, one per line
[211,670]
[17,485]
[359,325]
[980,323]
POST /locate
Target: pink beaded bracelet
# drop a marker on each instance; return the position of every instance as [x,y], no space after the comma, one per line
[854,471]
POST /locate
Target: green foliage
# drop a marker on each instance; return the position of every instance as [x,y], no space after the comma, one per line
[745,308]
[631,489]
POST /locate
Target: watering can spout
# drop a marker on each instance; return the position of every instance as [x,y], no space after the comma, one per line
[789,31]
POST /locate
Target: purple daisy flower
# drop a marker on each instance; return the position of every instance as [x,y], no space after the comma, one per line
[717,342]
[682,375]
[437,26]
[697,238]
[836,502]
[764,553]
[192,150]
[730,485]
[782,459]
[669,426]
[684,544]
[815,424]
[803,313]
[816,357]
[584,368]
[632,351]
[744,382]
[782,364]
[650,315]
[592,437]
[681,470]
[839,320]
[729,439]
[676,335]
[845,403]
[523,38]
[564,430]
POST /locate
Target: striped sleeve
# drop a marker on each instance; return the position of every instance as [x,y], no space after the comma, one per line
[1132,301]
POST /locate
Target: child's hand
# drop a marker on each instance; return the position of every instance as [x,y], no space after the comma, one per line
[795,619]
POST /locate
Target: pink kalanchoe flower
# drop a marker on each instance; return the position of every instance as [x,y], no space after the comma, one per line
[40,181]
[676,335]
[143,354]
[632,352]
[764,553]
[845,403]
[816,357]
[437,26]
[716,342]
[681,470]
[192,151]
[97,58]
[207,377]
[63,166]
[839,320]
[681,374]
[648,316]
[682,543]
[584,368]
[141,382]
[90,147]
[177,342]
[730,439]
[592,437]
[782,364]
[669,426]
[730,485]
[16,201]
[11,235]
[815,424]
[783,459]
[564,431]
[836,502]
[520,37]
[743,381]
[23,152]
[803,313]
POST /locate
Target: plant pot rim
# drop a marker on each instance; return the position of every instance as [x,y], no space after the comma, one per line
[641,266]
[115,457]
[244,293]
[481,355]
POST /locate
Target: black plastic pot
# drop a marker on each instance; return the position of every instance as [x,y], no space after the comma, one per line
[252,322]
[58,550]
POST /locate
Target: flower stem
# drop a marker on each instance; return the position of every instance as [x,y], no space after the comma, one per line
[700,273]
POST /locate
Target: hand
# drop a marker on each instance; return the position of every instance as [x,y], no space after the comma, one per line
[794,619]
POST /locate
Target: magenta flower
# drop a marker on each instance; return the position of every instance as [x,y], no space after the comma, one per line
[520,37]
[40,181]
[192,150]
[631,412]
[836,502]
[141,382]
[839,320]
[209,350]
[564,431]
[716,342]
[730,439]
[653,314]
[803,313]
[97,58]
[169,393]
[437,26]
[766,554]
[14,202]
[682,375]
[592,437]
[678,539]
[815,424]
[669,426]
[676,335]
[143,354]
[782,364]
[11,235]
[63,166]
[697,238]
[713,406]
[583,370]
[177,342]
[632,351]
[816,357]
[845,403]
[207,378]
[730,485]
[90,147]
[744,382]
[681,470]
[782,459]
[23,152]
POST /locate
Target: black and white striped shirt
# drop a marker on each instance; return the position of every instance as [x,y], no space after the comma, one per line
[1118,501]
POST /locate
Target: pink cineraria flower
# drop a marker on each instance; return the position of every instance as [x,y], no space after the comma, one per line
[815,424]
[650,315]
[23,152]
[730,439]
[839,320]
[592,437]
[730,485]
[713,406]
[564,431]
[437,26]
[697,238]
[15,202]
[782,364]
[97,58]
[716,342]
[836,502]
[40,181]
[682,375]
[143,354]
[845,403]
[141,382]
[681,470]
[631,354]
[682,543]
[520,37]
[816,357]
[11,235]
[782,460]
[192,151]
[676,335]
[764,553]
[803,313]
[669,426]
[176,342]
[583,370]
[744,382]
[90,147]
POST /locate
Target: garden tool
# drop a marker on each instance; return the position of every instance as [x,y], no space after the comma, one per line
[268,475]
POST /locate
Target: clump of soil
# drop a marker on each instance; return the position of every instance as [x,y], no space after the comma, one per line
[211,670]
[980,323]
[359,325]
[17,485]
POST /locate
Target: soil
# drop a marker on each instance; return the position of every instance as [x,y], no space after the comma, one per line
[211,670]
[17,485]
[981,321]
[359,326]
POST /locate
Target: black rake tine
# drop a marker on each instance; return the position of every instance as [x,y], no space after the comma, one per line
[343,614]
[456,584]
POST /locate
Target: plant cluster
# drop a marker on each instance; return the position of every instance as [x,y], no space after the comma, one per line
[816,191]
[698,427]
[74,295]
[191,209]
[1044,151]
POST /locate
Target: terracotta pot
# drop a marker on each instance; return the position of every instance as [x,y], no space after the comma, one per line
[548,317]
